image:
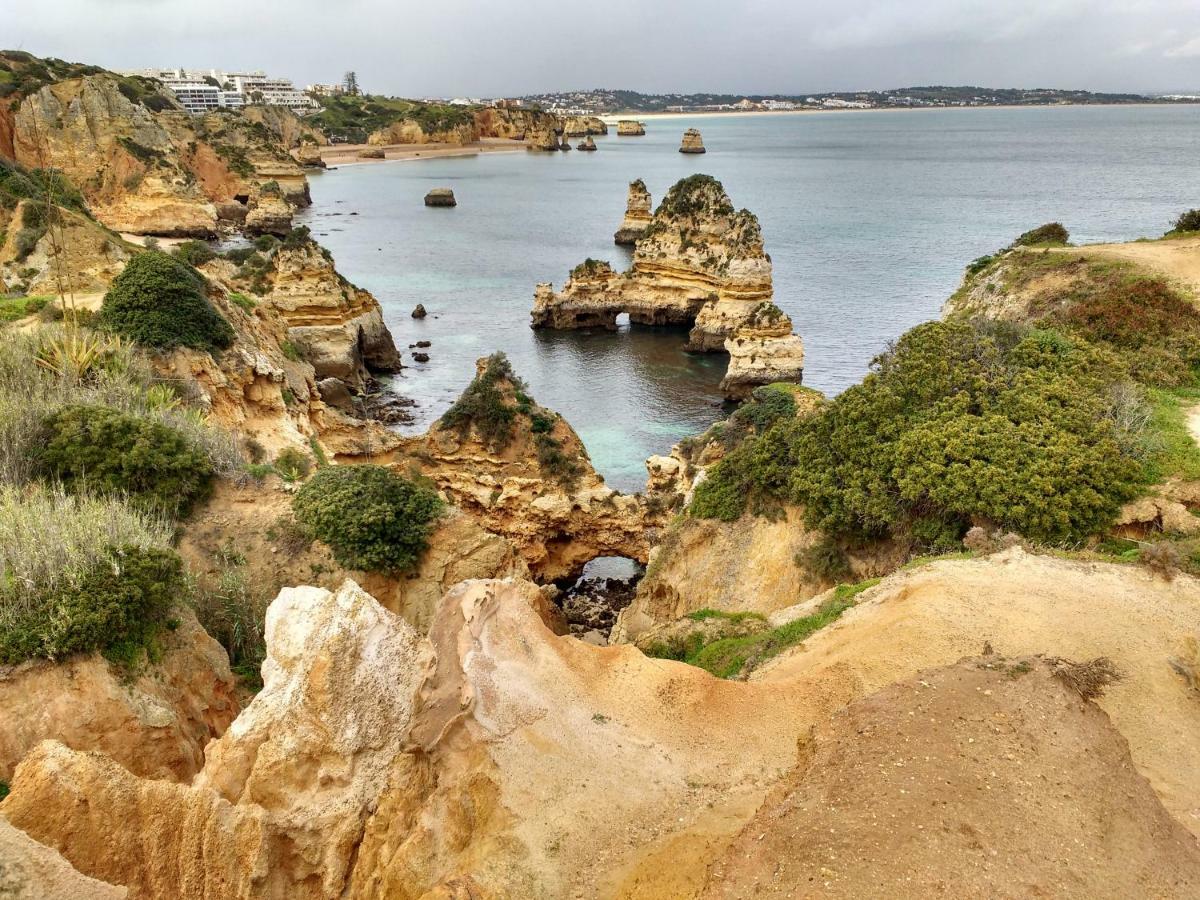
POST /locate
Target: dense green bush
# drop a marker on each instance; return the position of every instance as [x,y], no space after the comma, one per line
[194,253]
[1052,233]
[957,422]
[159,301]
[96,449]
[1188,221]
[372,518]
[482,405]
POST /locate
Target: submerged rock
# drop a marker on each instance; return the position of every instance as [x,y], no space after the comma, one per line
[692,142]
[440,197]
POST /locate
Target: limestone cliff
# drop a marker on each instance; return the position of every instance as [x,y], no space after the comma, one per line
[30,871]
[143,164]
[579,126]
[638,214]
[410,131]
[531,482]
[495,759]
[630,128]
[156,725]
[515,124]
[692,142]
[699,262]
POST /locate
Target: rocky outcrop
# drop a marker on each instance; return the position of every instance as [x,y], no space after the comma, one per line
[762,350]
[630,128]
[30,871]
[81,258]
[692,142]
[542,136]
[699,262]
[377,152]
[143,165]
[638,214]
[440,197]
[586,144]
[536,488]
[156,725]
[514,124]
[269,215]
[410,131]
[579,126]
[480,761]
[336,327]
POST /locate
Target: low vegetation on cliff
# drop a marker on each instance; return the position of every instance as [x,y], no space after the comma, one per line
[354,118]
[371,518]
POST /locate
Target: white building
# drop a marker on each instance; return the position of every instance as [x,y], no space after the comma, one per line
[204,91]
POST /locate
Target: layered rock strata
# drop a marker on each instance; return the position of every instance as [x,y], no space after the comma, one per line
[692,142]
[440,197]
[579,126]
[630,128]
[699,262]
[638,215]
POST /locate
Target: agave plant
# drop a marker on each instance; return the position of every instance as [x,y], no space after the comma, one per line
[76,353]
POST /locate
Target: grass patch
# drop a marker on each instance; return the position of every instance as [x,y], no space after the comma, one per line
[14,308]
[1178,453]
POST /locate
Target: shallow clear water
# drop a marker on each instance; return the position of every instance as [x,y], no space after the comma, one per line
[869,219]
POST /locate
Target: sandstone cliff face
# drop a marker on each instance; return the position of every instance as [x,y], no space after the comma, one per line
[692,142]
[495,759]
[638,215]
[630,128]
[699,262]
[30,871]
[155,725]
[557,520]
[515,124]
[408,131]
[148,172]
[83,260]
[579,126]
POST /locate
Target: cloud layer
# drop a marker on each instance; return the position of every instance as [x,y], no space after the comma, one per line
[475,47]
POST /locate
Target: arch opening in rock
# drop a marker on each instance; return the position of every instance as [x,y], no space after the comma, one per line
[592,601]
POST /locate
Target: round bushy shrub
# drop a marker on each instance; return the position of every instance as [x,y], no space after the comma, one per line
[1188,221]
[372,518]
[119,605]
[99,450]
[159,301]
[1051,233]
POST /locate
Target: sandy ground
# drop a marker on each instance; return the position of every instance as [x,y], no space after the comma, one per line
[347,154]
[1177,258]
[613,118]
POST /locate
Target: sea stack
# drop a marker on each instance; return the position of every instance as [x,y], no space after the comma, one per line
[440,197]
[692,142]
[586,144]
[637,215]
[565,145]
[630,128]
[699,262]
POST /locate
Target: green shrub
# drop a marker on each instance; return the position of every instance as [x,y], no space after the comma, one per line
[292,465]
[1188,221]
[956,422]
[194,253]
[371,518]
[242,302]
[95,449]
[14,308]
[826,559]
[159,302]
[1052,233]
[482,405]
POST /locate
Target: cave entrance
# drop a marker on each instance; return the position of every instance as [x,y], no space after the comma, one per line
[591,603]
[622,321]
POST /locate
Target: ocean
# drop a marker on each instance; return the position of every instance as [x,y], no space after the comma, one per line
[869,218]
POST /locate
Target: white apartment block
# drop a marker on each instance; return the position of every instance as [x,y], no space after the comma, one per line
[197,92]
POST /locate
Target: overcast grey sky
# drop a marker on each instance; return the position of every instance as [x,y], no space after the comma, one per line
[450,47]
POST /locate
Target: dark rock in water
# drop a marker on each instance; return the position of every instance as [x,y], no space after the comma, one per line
[421,357]
[419,311]
[565,145]
[390,409]
[440,197]
[586,144]
[592,604]
[335,393]
[423,344]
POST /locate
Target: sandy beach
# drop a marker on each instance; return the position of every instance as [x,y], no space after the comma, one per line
[347,154]
[614,118]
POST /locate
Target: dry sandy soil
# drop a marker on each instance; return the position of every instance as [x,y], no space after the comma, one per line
[1178,258]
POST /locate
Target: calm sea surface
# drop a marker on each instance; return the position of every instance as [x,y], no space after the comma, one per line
[869,218]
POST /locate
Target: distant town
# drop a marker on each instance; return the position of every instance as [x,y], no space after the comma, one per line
[206,90]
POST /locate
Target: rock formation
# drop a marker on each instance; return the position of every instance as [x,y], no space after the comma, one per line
[155,725]
[579,126]
[630,128]
[543,136]
[692,142]
[30,871]
[484,760]
[514,124]
[638,214]
[440,197]
[586,144]
[376,152]
[419,311]
[143,164]
[699,262]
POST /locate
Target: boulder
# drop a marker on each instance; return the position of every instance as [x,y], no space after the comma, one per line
[335,393]
[692,142]
[440,197]
[420,357]
[419,311]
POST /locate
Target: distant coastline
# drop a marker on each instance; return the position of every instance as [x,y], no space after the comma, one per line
[613,118]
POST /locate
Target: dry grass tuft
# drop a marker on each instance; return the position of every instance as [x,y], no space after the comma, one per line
[1087,679]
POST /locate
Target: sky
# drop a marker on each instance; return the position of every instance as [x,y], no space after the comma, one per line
[507,47]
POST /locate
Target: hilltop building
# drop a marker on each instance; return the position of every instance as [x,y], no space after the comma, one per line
[201,91]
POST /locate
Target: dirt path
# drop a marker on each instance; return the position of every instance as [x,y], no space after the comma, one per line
[1193,422]
[1178,258]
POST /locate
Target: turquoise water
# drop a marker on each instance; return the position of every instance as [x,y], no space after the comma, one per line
[869,219]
